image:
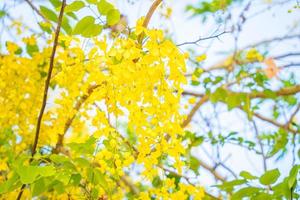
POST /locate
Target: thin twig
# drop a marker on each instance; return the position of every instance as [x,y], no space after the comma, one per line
[275,123]
[292,116]
[36,10]
[47,84]
[202,39]
[264,158]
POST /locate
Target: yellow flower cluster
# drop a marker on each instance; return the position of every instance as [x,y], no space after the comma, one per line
[118,81]
[252,55]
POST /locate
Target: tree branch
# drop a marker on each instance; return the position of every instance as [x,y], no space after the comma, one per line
[148,17]
[36,10]
[204,38]
[281,92]
[79,103]
[47,84]
[194,110]
[275,123]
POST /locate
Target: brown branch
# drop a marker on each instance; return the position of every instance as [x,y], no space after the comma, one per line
[194,110]
[47,84]
[253,95]
[281,92]
[80,102]
[187,179]
[190,93]
[148,17]
[211,170]
[275,123]
[132,187]
[292,116]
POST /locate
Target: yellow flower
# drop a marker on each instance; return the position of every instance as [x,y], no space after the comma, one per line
[139,28]
[12,47]
[30,40]
[253,55]
[201,58]
[192,100]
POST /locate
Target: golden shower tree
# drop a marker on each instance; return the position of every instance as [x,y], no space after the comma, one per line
[91,108]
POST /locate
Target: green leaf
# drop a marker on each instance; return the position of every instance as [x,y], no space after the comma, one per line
[244,192]
[2,13]
[195,83]
[219,95]
[282,189]
[194,164]
[197,141]
[74,6]
[27,174]
[31,49]
[94,176]
[247,175]
[113,17]
[82,24]
[293,176]
[10,184]
[104,7]
[55,3]
[75,179]
[92,1]
[281,141]
[39,187]
[157,182]
[49,14]
[234,100]
[87,28]
[82,162]
[45,28]
[45,171]
[59,187]
[269,177]
[229,186]
[59,158]
[66,26]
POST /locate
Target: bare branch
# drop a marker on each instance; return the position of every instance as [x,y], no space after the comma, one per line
[275,123]
[264,158]
[292,116]
[204,38]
